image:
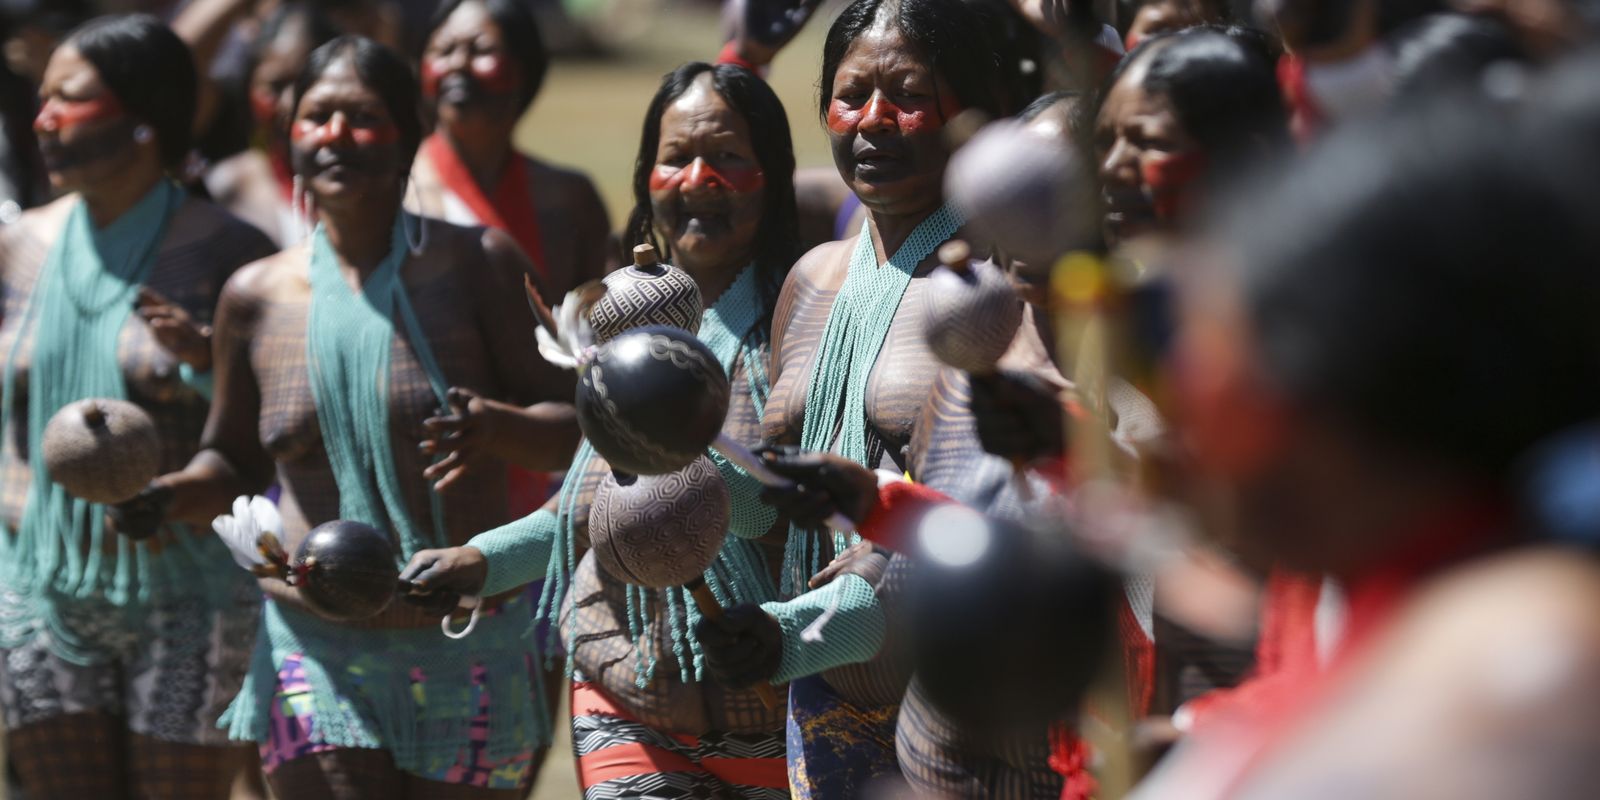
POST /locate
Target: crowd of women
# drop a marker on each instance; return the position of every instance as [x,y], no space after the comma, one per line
[1280,481]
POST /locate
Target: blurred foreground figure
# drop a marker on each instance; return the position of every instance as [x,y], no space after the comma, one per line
[1383,367]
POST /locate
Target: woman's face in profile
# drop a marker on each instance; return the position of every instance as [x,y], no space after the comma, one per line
[85,135]
[1146,157]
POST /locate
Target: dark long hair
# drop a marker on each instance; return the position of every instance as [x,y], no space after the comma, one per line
[150,70]
[778,237]
[1223,87]
[379,68]
[951,37]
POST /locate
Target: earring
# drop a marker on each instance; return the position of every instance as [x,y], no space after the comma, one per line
[298,208]
[421,243]
[143,134]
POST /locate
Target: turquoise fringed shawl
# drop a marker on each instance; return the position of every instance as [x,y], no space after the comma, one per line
[836,412]
[348,342]
[364,695]
[836,398]
[60,553]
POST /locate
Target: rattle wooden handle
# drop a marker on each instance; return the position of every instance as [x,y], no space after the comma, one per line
[711,609]
[1019,477]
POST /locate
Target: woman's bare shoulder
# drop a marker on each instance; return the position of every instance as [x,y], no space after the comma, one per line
[823,263]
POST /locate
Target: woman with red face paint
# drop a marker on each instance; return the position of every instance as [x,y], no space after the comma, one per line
[117,652]
[1460,519]
[714,195]
[259,184]
[1182,110]
[481,69]
[851,372]
[386,706]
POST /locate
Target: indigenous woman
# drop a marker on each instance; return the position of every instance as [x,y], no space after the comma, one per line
[119,651]
[714,193]
[1383,452]
[893,73]
[330,356]
[259,184]
[1180,113]
[481,69]
[1183,113]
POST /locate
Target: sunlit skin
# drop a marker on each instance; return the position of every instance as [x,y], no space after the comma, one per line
[344,142]
[706,189]
[1135,133]
[884,120]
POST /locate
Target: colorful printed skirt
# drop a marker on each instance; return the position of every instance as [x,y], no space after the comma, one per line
[465,712]
[618,756]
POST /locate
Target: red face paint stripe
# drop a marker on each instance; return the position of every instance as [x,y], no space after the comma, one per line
[664,177]
[328,133]
[915,117]
[263,106]
[701,174]
[59,115]
[1169,180]
[842,119]
[433,69]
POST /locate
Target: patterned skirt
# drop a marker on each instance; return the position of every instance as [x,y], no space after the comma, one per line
[836,749]
[618,756]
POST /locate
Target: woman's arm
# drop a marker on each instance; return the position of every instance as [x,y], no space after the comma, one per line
[232,460]
[535,426]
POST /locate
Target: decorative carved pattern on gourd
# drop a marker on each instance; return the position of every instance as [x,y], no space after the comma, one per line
[661,530]
[637,296]
[652,401]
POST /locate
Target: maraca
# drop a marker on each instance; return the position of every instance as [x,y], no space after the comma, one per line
[101,450]
[659,530]
[647,293]
[971,314]
[970,311]
[1025,192]
[652,400]
[345,570]
[982,586]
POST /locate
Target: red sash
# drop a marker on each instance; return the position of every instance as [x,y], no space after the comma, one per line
[509,210]
[281,172]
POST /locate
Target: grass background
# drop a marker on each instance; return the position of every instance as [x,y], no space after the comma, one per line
[590,112]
